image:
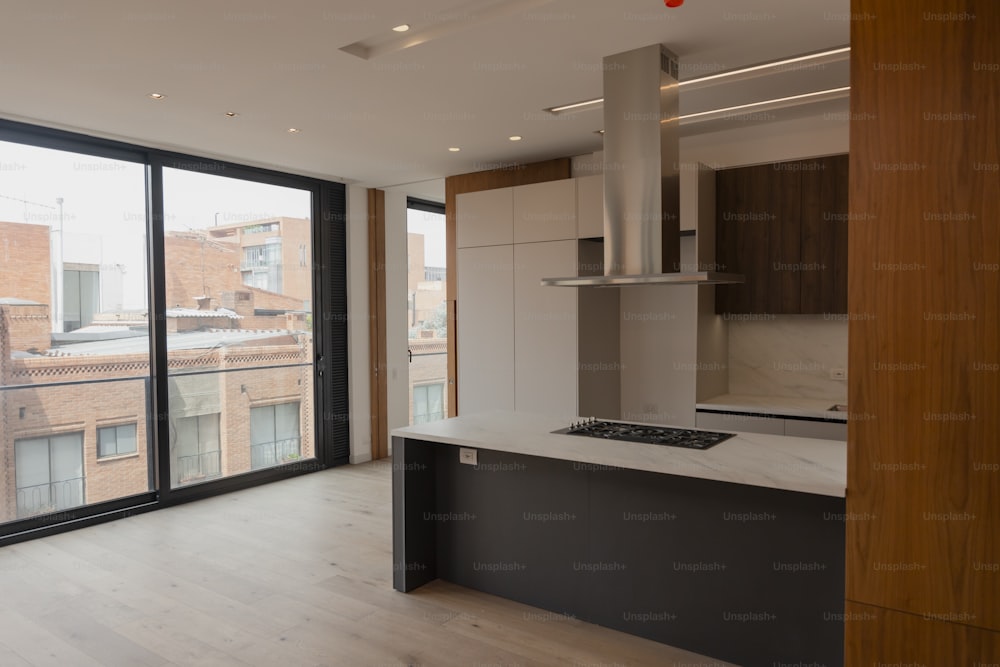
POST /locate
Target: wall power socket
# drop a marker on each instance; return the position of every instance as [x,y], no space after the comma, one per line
[468,456]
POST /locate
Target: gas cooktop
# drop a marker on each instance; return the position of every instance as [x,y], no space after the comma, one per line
[653,435]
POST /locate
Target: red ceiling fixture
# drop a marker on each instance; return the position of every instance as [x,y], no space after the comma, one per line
[673,3]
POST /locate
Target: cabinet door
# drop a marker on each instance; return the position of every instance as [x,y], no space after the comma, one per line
[785,247]
[816,429]
[545,211]
[783,226]
[738,422]
[484,218]
[485,313]
[824,236]
[590,207]
[545,329]
[744,218]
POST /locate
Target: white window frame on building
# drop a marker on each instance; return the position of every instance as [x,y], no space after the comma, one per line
[117,440]
[426,416]
[82,295]
[275,434]
[204,458]
[62,471]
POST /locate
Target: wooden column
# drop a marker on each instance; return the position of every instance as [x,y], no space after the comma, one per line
[377,324]
[923,529]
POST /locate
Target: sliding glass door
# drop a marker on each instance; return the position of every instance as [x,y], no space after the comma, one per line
[166,331]
[74,331]
[239,294]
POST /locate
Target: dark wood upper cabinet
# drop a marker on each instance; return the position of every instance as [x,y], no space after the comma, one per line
[784,227]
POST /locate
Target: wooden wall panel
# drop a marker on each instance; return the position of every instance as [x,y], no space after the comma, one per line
[377,330]
[924,301]
[537,172]
[888,637]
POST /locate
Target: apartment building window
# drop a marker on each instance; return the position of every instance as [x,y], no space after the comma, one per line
[199,454]
[254,256]
[116,441]
[48,473]
[82,296]
[262,266]
[428,403]
[275,436]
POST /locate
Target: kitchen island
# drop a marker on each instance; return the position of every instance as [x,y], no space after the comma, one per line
[736,552]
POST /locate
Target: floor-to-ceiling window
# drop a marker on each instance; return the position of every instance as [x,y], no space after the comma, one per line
[74,334]
[426,310]
[239,291]
[163,325]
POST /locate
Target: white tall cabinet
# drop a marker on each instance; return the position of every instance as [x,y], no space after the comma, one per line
[519,343]
[485,328]
[546,350]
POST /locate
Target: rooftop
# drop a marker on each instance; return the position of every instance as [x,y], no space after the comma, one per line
[193,340]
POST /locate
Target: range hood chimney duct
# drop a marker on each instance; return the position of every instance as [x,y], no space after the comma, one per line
[642,175]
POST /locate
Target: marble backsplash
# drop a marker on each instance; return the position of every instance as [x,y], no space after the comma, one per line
[791,355]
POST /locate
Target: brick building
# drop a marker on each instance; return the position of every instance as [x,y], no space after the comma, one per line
[25,272]
[271,254]
[74,407]
[426,286]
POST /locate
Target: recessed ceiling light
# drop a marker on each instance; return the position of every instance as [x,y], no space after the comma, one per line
[293,130]
[231,114]
[401,28]
[516,137]
[156,96]
[454,149]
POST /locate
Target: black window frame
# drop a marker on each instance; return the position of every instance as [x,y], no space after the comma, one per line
[329,307]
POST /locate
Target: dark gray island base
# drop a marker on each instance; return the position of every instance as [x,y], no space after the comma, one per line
[742,573]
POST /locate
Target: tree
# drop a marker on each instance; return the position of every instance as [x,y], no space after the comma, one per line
[438,321]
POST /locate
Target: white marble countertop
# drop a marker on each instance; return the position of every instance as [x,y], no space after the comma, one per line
[806,465]
[779,406]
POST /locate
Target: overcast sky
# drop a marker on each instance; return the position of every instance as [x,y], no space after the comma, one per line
[103,209]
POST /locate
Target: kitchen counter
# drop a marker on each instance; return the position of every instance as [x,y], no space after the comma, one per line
[804,465]
[735,552]
[777,406]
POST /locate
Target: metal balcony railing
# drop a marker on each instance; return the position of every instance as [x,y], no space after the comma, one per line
[270,454]
[51,497]
[199,467]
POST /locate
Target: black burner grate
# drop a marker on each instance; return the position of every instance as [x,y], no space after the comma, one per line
[653,435]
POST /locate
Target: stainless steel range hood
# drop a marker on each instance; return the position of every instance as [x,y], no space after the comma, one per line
[641,176]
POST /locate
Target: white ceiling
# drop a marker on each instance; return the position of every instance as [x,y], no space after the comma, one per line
[487,70]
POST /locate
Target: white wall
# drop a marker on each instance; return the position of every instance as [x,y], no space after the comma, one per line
[659,349]
[396,342]
[397,360]
[769,142]
[357,324]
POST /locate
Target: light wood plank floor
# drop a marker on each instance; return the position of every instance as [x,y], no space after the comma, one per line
[293,573]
